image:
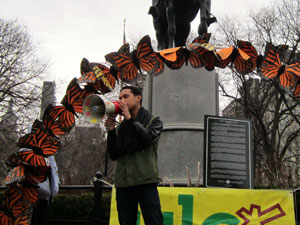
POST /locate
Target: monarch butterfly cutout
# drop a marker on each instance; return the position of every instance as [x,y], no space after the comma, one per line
[112,70]
[20,200]
[50,125]
[15,175]
[190,54]
[207,54]
[249,49]
[142,58]
[40,142]
[241,60]
[74,97]
[71,103]
[272,67]
[195,55]
[50,121]
[94,74]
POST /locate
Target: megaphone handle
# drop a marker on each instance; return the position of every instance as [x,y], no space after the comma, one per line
[110,122]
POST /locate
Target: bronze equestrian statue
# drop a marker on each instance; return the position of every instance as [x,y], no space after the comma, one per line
[172,18]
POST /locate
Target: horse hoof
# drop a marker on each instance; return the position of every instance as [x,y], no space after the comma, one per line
[211,20]
[153,10]
[202,30]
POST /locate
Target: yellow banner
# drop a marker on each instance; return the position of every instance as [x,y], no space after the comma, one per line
[220,206]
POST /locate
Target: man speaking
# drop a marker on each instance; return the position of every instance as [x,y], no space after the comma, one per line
[133,144]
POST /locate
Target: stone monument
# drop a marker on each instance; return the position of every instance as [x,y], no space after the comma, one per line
[181,98]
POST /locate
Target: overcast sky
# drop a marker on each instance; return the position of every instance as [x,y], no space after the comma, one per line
[68,30]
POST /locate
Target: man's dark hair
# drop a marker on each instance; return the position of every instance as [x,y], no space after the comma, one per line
[135,91]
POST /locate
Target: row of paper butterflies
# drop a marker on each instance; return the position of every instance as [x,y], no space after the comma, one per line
[243,58]
[32,167]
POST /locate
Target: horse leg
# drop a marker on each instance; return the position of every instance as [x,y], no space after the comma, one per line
[161,35]
[183,31]
[158,12]
[203,17]
[170,12]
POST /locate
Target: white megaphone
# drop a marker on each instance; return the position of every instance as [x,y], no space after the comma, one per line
[94,108]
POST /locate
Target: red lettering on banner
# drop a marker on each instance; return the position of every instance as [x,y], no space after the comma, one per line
[247,214]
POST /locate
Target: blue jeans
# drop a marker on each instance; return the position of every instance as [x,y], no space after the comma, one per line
[127,204]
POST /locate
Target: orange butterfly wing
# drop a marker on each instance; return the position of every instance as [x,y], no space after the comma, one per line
[5,219]
[40,142]
[122,61]
[32,159]
[194,56]
[290,74]
[207,55]
[148,60]
[87,76]
[62,117]
[296,91]
[142,58]
[15,175]
[72,103]
[29,194]
[243,63]
[174,58]
[278,49]
[123,50]
[51,125]
[74,97]
[249,49]
[124,64]
[66,119]
[22,220]
[238,57]
[271,64]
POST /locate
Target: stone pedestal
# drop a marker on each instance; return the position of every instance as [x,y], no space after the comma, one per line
[181,98]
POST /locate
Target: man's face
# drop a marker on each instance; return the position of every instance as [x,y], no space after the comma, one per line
[126,96]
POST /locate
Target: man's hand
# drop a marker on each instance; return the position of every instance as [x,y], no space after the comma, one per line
[110,122]
[125,110]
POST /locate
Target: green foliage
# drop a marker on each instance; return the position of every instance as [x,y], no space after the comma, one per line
[74,207]
[78,207]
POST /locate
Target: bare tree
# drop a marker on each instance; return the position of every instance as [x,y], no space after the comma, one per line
[273,109]
[20,80]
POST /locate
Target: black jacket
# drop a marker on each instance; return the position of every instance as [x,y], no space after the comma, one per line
[133,134]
